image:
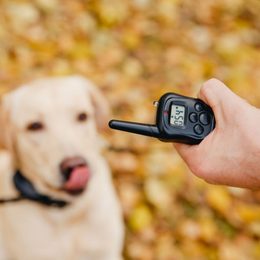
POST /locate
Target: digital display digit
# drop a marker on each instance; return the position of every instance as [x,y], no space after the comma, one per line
[177,115]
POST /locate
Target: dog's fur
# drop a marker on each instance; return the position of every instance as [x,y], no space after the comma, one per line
[91,227]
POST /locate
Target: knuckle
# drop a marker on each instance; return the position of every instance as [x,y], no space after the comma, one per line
[211,82]
[214,81]
[211,92]
[210,85]
[206,90]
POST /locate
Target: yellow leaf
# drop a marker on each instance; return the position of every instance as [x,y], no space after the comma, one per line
[248,213]
[219,199]
[141,218]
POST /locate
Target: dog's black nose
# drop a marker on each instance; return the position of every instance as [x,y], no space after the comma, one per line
[68,164]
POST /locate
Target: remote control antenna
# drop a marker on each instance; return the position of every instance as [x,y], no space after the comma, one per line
[136,128]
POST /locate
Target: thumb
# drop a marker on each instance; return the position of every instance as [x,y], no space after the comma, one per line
[219,97]
[223,103]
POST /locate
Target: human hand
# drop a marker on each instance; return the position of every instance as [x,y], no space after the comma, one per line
[230,155]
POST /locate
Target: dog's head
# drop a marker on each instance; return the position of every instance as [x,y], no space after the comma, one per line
[50,126]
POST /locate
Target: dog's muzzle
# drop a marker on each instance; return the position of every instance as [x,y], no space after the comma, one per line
[76,174]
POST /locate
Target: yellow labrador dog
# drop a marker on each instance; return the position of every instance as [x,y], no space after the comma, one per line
[59,202]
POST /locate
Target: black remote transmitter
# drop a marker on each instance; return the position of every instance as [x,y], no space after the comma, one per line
[179,119]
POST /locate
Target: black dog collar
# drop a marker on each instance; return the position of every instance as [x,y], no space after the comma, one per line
[28,192]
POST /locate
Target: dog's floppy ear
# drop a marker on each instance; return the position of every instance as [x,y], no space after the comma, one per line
[5,125]
[100,103]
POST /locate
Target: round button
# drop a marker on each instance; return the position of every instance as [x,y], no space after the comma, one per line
[198,129]
[204,118]
[193,117]
[198,107]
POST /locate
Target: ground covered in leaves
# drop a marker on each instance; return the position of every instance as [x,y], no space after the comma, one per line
[135,50]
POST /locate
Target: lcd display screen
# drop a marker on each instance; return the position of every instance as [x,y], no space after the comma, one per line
[177,115]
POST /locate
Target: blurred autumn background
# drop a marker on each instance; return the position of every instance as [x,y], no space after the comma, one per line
[135,51]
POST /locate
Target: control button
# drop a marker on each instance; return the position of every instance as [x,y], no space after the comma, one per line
[198,129]
[198,107]
[204,118]
[193,117]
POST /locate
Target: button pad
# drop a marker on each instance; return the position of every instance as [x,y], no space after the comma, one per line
[198,121]
[200,118]
[198,129]
[193,117]
[204,118]
[198,107]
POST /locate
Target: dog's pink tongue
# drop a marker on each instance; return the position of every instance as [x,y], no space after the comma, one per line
[78,179]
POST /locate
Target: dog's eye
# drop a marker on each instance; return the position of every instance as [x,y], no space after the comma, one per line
[35,126]
[82,117]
